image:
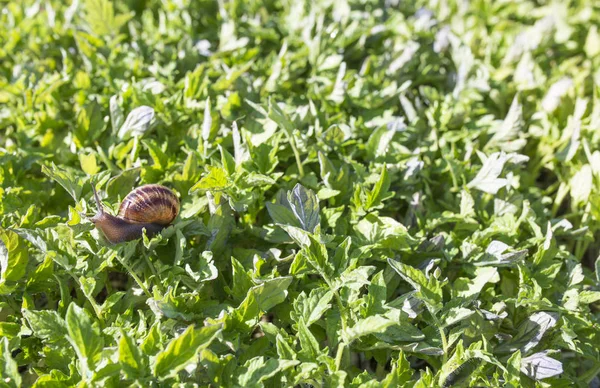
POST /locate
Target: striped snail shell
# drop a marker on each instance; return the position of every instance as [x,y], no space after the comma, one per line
[150,207]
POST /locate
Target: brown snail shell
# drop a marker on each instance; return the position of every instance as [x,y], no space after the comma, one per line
[150,203]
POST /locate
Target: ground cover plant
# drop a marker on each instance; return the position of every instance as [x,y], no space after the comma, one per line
[373,193]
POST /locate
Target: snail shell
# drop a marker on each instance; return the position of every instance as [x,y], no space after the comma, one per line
[150,203]
[149,207]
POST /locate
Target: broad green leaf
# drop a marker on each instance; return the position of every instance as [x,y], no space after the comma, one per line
[88,163]
[429,290]
[138,121]
[369,325]
[46,324]
[310,308]
[183,350]
[8,367]
[271,292]
[282,215]
[581,184]
[130,357]
[488,178]
[512,375]
[506,136]
[69,181]
[539,366]
[276,114]
[530,332]
[379,192]
[305,206]
[85,337]
[308,342]
[216,179]
[13,257]
[241,281]
[116,113]
[257,370]
[160,159]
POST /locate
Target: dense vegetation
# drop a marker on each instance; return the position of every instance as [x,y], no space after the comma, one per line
[373,193]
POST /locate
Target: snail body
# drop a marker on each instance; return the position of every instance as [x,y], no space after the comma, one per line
[151,207]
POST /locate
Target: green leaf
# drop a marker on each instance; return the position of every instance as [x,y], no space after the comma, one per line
[116,113]
[101,18]
[66,179]
[46,324]
[216,179]
[89,164]
[13,257]
[400,374]
[369,325]
[9,369]
[512,375]
[428,290]
[305,206]
[257,370]
[276,114]
[183,350]
[241,281]
[160,159]
[282,215]
[530,332]
[138,120]
[539,366]
[488,178]
[310,308]
[271,292]
[130,357]
[380,191]
[284,350]
[85,338]
[581,184]
[308,342]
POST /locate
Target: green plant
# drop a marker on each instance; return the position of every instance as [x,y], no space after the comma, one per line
[373,193]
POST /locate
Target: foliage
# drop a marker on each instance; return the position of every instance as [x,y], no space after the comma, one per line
[373,193]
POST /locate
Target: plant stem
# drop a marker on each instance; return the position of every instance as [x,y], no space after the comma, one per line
[339,355]
[296,155]
[90,299]
[153,270]
[135,277]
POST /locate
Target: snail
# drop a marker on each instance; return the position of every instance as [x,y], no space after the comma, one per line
[151,207]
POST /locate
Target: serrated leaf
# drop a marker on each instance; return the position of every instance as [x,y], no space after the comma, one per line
[369,325]
[257,370]
[130,357]
[46,324]
[308,342]
[428,290]
[84,336]
[72,184]
[9,369]
[216,179]
[314,305]
[183,350]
